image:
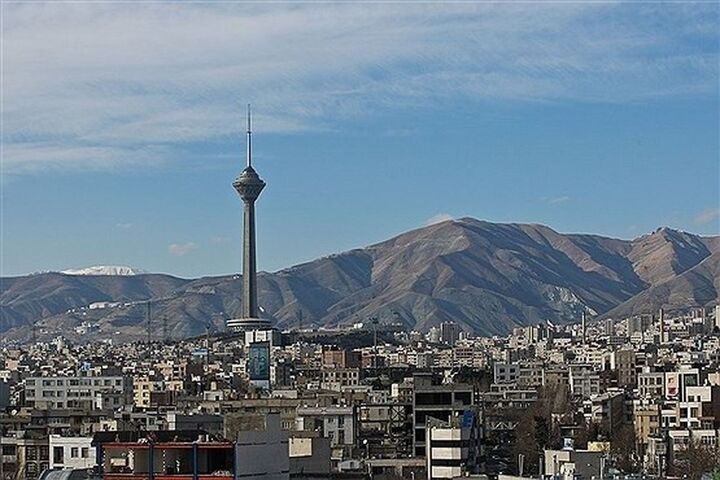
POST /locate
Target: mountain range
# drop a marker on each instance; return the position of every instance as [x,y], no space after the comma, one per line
[487,277]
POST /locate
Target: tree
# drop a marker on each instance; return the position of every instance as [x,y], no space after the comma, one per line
[696,460]
[622,449]
[538,427]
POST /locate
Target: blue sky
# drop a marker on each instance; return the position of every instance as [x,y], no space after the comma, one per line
[123,125]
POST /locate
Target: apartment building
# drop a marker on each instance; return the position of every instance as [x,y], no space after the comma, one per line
[58,392]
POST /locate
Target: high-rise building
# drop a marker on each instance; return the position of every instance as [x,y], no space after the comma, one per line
[249,185]
[609,327]
[449,332]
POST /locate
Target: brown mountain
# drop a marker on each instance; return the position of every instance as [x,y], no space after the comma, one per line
[485,276]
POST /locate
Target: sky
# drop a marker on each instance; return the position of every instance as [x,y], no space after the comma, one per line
[123,125]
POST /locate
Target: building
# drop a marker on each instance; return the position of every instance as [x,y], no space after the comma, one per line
[263,454]
[584,380]
[4,394]
[74,391]
[334,422]
[165,455]
[338,378]
[24,456]
[506,372]
[212,424]
[334,357]
[439,402]
[607,411]
[71,452]
[625,363]
[449,333]
[651,385]
[574,464]
[452,449]
[309,455]
[647,425]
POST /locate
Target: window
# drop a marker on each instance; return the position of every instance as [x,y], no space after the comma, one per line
[58,455]
[85,452]
[31,453]
[74,452]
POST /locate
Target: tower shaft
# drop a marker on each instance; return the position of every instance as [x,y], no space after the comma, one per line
[249,296]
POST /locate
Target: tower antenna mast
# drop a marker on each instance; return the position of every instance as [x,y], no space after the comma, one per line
[249,137]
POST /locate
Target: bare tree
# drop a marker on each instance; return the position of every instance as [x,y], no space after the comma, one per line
[697,459]
[622,449]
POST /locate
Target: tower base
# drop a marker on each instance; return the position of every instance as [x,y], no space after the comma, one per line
[241,324]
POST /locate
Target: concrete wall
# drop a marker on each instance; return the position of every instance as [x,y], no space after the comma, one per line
[263,454]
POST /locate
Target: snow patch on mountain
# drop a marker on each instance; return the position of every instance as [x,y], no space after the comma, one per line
[105,270]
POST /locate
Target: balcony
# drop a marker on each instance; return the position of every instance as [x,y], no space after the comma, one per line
[170,461]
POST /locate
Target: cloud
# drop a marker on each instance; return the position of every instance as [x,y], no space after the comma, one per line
[103,86]
[438,218]
[557,200]
[181,249]
[708,215]
[124,225]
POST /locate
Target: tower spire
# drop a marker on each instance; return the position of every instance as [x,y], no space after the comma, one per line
[249,137]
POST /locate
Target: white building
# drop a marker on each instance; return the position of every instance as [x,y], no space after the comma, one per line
[71,452]
[451,448]
[335,423]
[506,372]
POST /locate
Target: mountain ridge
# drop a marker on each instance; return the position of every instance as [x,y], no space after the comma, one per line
[488,277]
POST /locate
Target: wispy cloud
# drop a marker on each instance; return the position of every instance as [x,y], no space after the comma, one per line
[124,225]
[708,215]
[557,200]
[100,86]
[181,249]
[438,218]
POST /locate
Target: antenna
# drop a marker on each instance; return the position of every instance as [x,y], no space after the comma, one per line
[249,137]
[207,342]
[149,322]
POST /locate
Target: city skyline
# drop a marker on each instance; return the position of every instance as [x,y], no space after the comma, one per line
[607,125]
